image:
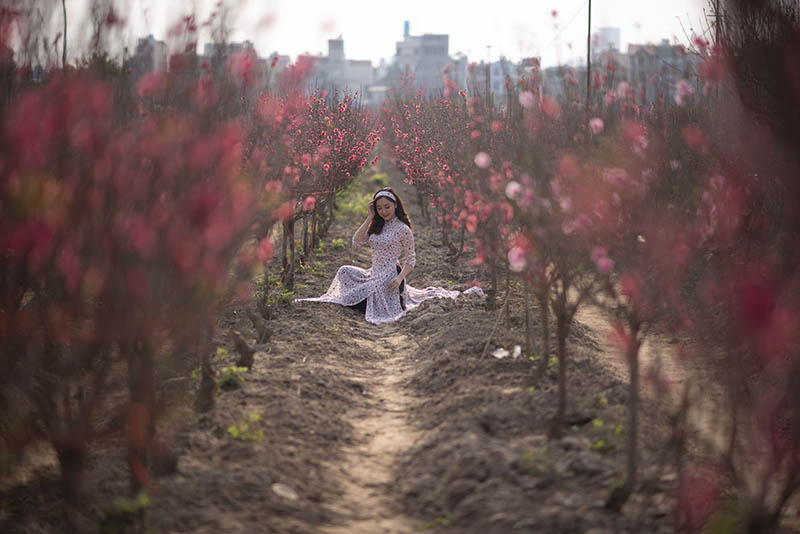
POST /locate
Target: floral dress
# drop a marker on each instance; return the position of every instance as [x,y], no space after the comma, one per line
[354,284]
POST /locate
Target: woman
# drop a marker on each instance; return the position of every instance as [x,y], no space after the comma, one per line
[381,291]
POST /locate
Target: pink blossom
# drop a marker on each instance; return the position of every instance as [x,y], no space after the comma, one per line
[694,137]
[569,227]
[623,89]
[309,203]
[265,250]
[598,252]
[513,189]
[701,43]
[596,125]
[615,176]
[551,107]
[483,160]
[526,99]
[472,224]
[683,89]
[605,265]
[516,259]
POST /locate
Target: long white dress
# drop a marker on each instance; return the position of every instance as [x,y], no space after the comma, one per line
[353,284]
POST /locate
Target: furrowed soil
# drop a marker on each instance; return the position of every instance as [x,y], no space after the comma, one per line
[346,427]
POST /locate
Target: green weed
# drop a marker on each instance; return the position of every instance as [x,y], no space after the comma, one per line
[246,429]
[441,521]
[380,179]
[231,377]
[537,460]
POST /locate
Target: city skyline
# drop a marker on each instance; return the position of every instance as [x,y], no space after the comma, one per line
[507,28]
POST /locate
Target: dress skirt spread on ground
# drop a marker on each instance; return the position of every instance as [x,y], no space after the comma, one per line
[353,285]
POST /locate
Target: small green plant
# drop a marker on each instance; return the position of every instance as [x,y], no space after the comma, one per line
[318,269]
[601,445]
[278,294]
[221,353]
[125,514]
[606,435]
[537,460]
[530,389]
[231,377]
[381,179]
[441,521]
[334,328]
[552,363]
[337,243]
[246,429]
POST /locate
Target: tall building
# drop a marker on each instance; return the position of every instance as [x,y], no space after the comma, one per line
[607,39]
[424,57]
[151,54]
[653,70]
[335,72]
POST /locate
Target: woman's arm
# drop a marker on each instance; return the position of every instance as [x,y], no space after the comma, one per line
[410,260]
[360,237]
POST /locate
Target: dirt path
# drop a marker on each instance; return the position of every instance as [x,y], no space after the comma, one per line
[382,432]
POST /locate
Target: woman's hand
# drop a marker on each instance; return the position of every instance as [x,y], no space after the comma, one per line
[371,210]
[395,283]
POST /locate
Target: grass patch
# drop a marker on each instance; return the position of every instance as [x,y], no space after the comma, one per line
[278,294]
[247,429]
[379,179]
[351,201]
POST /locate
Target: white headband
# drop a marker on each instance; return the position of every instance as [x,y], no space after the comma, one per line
[386,194]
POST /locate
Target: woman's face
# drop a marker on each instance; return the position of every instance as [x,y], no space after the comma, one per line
[385,208]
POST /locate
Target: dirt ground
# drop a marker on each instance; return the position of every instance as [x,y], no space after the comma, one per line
[389,429]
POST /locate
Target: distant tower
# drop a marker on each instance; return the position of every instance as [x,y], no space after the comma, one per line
[336,49]
[406,29]
[608,38]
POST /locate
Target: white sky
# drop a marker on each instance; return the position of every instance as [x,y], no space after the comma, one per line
[370,28]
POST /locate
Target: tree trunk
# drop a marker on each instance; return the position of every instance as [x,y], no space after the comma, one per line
[71,454]
[619,495]
[141,423]
[287,277]
[204,402]
[292,261]
[508,300]
[544,313]
[562,330]
[313,234]
[528,333]
[423,206]
[64,43]
[284,251]
[306,252]
[633,410]
[491,293]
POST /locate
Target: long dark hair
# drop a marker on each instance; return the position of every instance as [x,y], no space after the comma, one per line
[399,211]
